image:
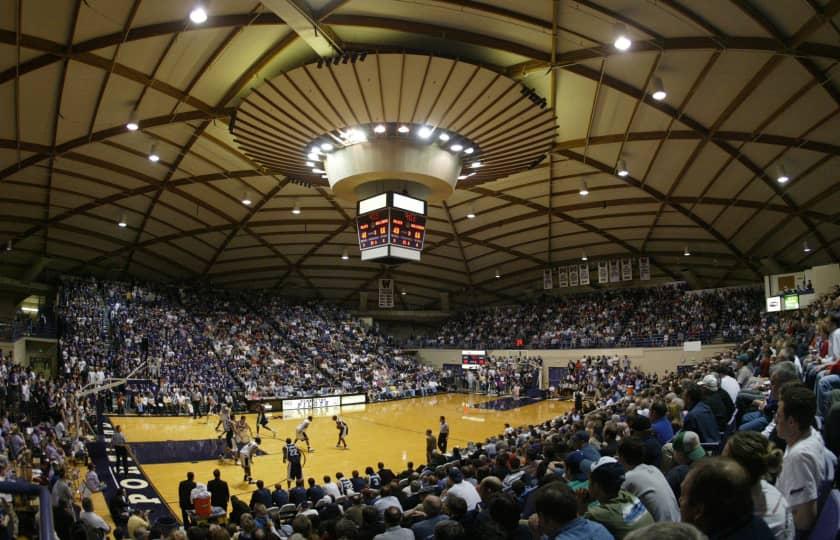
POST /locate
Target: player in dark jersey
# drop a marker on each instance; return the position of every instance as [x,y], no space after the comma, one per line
[262,420]
[294,460]
[343,430]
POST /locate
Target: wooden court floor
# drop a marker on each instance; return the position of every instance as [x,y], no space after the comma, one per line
[391,432]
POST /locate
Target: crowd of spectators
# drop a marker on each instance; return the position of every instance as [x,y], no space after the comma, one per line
[499,375]
[649,317]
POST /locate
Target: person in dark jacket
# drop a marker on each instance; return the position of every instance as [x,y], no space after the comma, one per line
[700,419]
[184,490]
[279,496]
[718,400]
[261,496]
[219,492]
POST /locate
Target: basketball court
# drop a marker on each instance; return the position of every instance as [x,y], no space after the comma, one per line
[166,448]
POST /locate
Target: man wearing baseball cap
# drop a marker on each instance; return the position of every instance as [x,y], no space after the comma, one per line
[717,399]
[687,450]
[618,510]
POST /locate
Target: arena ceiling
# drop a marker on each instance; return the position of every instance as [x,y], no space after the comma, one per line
[750,87]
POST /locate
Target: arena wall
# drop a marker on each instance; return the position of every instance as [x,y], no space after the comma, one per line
[653,360]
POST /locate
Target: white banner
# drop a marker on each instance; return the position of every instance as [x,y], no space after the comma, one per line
[615,274]
[386,293]
[626,269]
[573,276]
[644,268]
[311,403]
[548,279]
[603,273]
[583,270]
[562,277]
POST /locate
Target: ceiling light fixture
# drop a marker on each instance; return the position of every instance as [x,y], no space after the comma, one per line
[621,170]
[296,209]
[463,177]
[318,171]
[805,247]
[471,212]
[456,147]
[425,132]
[584,257]
[403,293]
[475,164]
[782,176]
[246,199]
[345,256]
[584,191]
[9,245]
[403,129]
[198,15]
[498,274]
[355,136]
[326,147]
[122,223]
[659,92]
[686,253]
[380,128]
[469,150]
[133,124]
[443,137]
[622,42]
[153,155]
[313,156]
[310,163]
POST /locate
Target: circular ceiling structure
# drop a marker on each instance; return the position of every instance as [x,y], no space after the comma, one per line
[713,130]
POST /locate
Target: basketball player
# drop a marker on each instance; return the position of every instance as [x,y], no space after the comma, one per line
[300,433]
[248,453]
[224,414]
[294,467]
[343,430]
[262,420]
[230,446]
[443,435]
[242,433]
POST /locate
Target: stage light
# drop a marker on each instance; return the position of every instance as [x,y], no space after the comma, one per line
[659,92]
[622,42]
[425,132]
[380,128]
[355,136]
[456,147]
[198,15]
[621,170]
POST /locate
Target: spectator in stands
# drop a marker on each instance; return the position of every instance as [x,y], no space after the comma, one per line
[667,531]
[700,419]
[660,424]
[432,511]
[759,458]
[393,530]
[582,444]
[92,519]
[716,498]
[219,491]
[718,401]
[557,517]
[461,489]
[640,428]
[647,482]
[262,495]
[614,508]
[808,467]
[763,418]
[687,451]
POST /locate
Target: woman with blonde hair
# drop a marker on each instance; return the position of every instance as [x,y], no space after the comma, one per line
[760,458]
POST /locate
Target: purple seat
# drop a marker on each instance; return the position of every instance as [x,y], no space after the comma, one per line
[828,523]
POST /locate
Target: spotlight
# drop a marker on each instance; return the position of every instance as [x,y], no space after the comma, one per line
[380,128]
[469,150]
[475,164]
[584,191]
[345,256]
[326,147]
[425,132]
[296,209]
[621,170]
[443,137]
[153,155]
[659,92]
[133,124]
[686,253]
[622,42]
[403,129]
[805,247]
[198,15]
[456,147]
[782,176]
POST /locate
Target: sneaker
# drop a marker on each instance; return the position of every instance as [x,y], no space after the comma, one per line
[311,450]
[338,446]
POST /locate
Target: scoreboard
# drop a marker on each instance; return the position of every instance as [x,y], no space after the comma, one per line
[391,227]
[473,359]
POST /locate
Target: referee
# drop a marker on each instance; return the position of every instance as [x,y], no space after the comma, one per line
[120,448]
[443,435]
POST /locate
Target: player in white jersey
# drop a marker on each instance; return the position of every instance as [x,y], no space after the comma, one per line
[300,433]
[343,430]
[247,454]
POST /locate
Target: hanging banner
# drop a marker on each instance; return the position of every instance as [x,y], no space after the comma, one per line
[626,269]
[386,293]
[644,268]
[573,276]
[548,279]
[615,274]
[562,277]
[583,270]
[603,273]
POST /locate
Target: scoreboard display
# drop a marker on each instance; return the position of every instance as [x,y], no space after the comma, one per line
[473,359]
[391,227]
[407,229]
[373,229]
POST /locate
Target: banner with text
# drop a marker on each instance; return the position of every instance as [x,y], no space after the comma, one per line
[644,268]
[603,273]
[562,277]
[548,279]
[573,276]
[626,269]
[583,270]
[615,273]
[386,293]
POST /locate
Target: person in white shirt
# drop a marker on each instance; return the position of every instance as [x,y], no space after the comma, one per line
[91,519]
[462,489]
[728,383]
[647,482]
[247,455]
[330,488]
[758,457]
[808,467]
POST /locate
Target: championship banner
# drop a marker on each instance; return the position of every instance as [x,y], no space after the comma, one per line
[644,268]
[548,279]
[562,277]
[626,269]
[386,293]
[615,274]
[573,276]
[603,273]
[583,270]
